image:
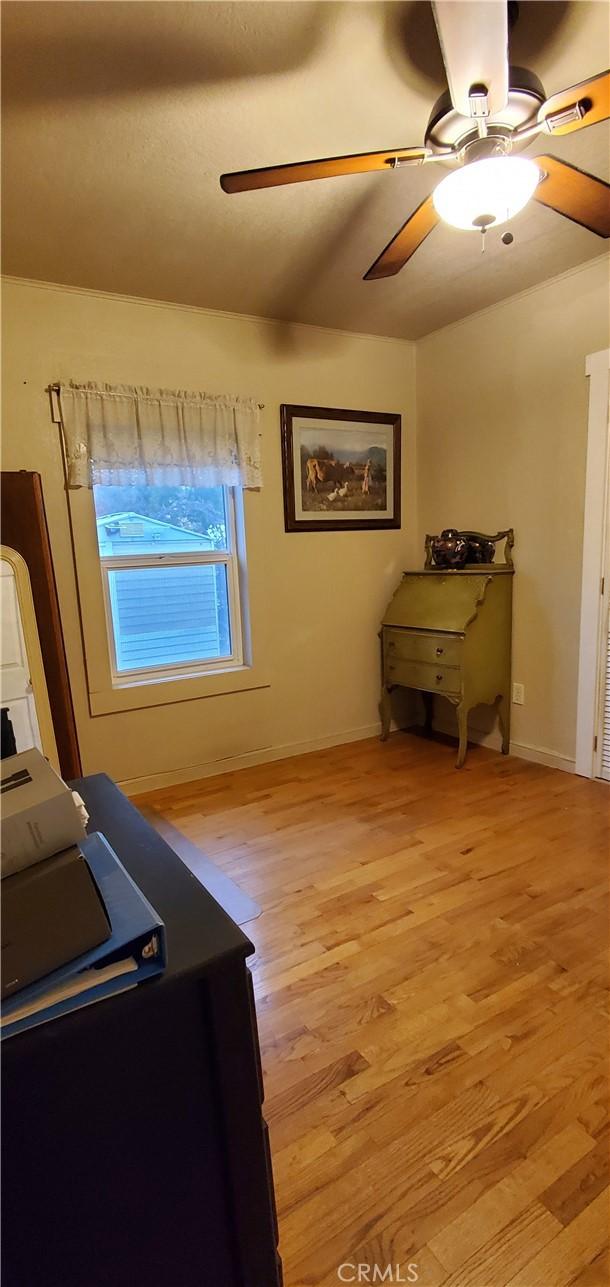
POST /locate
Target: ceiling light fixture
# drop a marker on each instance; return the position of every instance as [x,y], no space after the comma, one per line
[486,192]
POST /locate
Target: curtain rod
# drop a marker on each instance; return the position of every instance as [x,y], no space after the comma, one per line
[53,391]
[56,389]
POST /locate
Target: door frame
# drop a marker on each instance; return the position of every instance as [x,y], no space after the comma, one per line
[596,519]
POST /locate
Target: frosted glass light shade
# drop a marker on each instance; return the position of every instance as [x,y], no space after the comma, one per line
[492,190]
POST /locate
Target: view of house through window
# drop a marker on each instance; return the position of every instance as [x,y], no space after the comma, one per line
[169,567]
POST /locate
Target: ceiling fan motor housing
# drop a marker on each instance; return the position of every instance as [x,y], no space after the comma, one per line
[449,129]
[479,149]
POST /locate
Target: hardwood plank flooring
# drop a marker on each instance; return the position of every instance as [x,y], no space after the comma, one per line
[432,985]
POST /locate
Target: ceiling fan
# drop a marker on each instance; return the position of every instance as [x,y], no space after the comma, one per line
[489,114]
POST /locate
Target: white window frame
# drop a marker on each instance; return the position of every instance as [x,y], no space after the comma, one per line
[228,557]
[136,693]
[594,590]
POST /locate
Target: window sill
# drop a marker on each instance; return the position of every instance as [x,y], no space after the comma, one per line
[140,694]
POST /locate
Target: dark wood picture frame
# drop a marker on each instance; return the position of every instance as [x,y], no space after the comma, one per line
[293,523]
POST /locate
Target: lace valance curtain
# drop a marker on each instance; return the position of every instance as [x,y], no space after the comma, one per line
[131,435]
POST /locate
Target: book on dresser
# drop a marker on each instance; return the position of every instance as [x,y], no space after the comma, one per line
[133,952]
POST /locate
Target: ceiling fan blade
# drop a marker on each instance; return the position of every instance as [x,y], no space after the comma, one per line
[273,176]
[573,193]
[405,243]
[591,99]
[474,44]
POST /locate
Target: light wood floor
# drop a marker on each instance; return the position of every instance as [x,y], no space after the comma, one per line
[431,980]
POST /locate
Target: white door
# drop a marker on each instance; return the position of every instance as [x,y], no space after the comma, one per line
[15,685]
[602,767]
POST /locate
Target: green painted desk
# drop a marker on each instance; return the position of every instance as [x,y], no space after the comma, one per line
[449,632]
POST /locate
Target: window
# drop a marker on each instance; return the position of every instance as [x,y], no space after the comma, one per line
[171,579]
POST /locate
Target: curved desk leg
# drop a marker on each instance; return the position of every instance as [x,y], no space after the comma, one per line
[504,722]
[385,711]
[462,719]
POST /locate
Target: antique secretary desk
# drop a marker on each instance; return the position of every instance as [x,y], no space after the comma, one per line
[448,631]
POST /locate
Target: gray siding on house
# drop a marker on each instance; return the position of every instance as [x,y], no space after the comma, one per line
[169,615]
[133,534]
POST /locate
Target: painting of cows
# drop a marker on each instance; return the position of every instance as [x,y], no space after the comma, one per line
[357,483]
[341,471]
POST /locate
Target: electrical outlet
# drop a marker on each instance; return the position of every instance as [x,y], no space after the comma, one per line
[519,694]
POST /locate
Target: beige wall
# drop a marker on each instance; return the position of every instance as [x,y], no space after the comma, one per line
[324,592]
[501,440]
[502,425]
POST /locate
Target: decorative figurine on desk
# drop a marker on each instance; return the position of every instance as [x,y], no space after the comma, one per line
[480,550]
[455,549]
[450,549]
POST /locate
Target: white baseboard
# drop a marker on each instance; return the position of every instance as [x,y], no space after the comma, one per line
[540,755]
[267,754]
[263,755]
[493,739]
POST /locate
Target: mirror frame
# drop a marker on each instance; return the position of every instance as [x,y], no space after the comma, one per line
[37,677]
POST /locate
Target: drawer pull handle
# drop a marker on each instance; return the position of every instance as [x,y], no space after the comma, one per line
[438,678]
[439,652]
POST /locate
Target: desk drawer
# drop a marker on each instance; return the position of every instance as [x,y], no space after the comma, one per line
[413,645]
[420,674]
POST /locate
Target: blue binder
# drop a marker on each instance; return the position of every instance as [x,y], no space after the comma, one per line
[134,952]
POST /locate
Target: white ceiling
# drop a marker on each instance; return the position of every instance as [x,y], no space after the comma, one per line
[119,118]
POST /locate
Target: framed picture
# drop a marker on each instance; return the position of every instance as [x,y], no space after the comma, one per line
[341,469]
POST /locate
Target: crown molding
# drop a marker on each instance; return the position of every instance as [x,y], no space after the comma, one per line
[195,308]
